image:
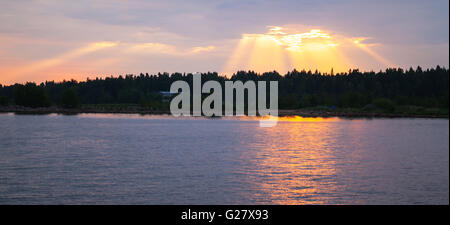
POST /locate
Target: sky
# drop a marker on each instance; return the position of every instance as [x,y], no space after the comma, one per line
[62,40]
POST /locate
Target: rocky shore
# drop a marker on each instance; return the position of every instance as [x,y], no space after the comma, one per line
[59,110]
[139,110]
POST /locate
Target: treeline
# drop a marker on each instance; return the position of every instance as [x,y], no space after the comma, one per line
[297,89]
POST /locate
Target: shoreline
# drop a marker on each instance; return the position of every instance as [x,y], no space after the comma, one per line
[281,113]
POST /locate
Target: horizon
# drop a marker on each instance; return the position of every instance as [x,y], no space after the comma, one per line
[228,76]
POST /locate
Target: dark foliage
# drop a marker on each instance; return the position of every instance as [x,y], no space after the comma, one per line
[297,89]
[69,99]
[4,101]
[31,95]
[384,104]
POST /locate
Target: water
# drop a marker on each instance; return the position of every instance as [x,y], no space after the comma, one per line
[132,159]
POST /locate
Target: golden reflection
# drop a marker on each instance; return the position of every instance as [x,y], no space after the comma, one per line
[289,118]
[296,161]
[308,119]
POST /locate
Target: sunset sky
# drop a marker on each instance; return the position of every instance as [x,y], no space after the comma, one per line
[56,40]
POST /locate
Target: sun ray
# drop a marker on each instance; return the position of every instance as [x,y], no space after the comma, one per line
[376,56]
[240,57]
[48,63]
[282,51]
[267,55]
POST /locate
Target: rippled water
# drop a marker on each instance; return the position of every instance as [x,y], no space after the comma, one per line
[132,159]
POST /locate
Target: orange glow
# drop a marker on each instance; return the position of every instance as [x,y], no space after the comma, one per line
[283,51]
[308,119]
[267,54]
[278,50]
[295,159]
[291,118]
[17,72]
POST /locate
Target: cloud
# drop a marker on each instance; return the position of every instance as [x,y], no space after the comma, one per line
[161,48]
[203,49]
[153,48]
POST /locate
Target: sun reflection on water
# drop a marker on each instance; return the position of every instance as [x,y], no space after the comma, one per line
[296,160]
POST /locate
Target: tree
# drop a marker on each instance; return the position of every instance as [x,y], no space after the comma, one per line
[69,99]
[4,101]
[297,88]
[30,95]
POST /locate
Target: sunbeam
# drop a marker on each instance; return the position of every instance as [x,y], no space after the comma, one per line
[283,51]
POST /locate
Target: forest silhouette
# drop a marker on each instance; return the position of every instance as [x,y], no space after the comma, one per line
[387,90]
